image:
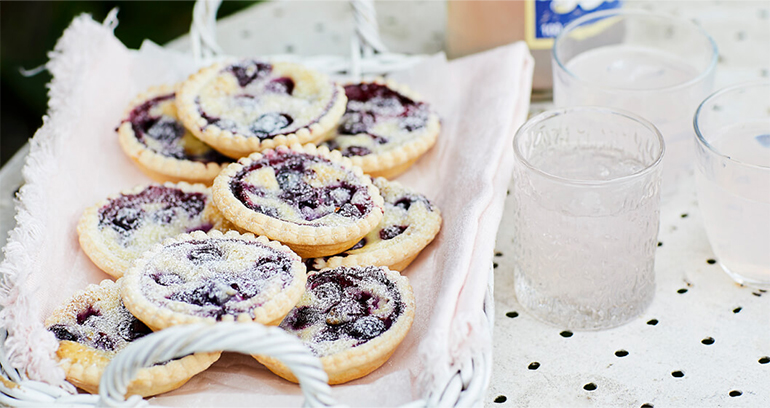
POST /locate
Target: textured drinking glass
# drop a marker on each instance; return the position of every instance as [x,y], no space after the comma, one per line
[733,179]
[657,66]
[586,213]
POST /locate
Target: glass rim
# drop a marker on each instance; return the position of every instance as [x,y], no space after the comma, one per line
[699,134]
[611,12]
[542,117]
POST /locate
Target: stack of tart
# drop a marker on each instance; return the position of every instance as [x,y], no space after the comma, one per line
[272,205]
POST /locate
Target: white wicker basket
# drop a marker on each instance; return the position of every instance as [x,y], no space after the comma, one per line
[466,387]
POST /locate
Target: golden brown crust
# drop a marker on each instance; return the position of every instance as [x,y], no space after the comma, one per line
[157,166]
[235,145]
[361,360]
[306,240]
[84,365]
[94,247]
[269,312]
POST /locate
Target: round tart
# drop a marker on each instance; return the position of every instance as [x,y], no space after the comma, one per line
[409,224]
[385,128]
[310,199]
[247,106]
[94,325]
[201,277]
[117,231]
[154,138]
[353,318]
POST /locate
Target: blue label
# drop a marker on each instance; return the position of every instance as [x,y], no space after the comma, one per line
[552,15]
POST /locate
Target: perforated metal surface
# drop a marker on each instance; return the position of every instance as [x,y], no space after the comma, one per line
[704,341]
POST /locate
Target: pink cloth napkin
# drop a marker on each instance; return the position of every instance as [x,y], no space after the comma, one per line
[75,161]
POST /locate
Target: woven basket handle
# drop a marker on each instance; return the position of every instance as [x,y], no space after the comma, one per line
[203,33]
[245,338]
[363,45]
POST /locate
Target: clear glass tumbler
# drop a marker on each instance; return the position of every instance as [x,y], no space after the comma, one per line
[657,66]
[733,179]
[586,197]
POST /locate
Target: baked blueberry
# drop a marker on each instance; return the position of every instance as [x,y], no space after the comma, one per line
[94,325]
[353,318]
[311,200]
[410,222]
[247,106]
[385,128]
[115,232]
[213,277]
[152,135]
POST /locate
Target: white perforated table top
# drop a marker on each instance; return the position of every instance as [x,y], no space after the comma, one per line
[704,341]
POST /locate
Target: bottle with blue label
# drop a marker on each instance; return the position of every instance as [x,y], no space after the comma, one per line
[474,26]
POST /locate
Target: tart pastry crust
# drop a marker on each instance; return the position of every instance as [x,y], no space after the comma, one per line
[93,326]
[353,318]
[245,106]
[385,129]
[310,199]
[410,223]
[152,135]
[205,278]
[116,231]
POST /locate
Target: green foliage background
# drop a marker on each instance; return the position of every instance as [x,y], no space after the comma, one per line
[29,29]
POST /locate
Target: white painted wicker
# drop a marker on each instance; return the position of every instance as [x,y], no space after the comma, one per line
[466,387]
[248,338]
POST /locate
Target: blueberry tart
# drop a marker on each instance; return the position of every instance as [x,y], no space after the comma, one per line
[409,224]
[353,318]
[94,325]
[152,135]
[385,128]
[310,199]
[212,277]
[116,231]
[248,106]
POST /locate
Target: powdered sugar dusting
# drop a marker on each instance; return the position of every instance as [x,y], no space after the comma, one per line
[303,189]
[343,308]
[377,119]
[156,125]
[97,318]
[257,99]
[132,223]
[216,276]
[406,214]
